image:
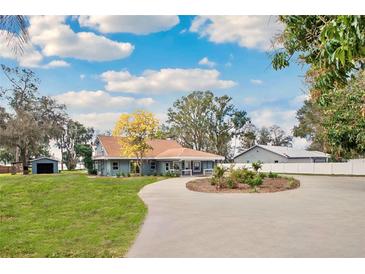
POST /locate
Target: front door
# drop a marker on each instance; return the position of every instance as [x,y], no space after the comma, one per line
[197,167]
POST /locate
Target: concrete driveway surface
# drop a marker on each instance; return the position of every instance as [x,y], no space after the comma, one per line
[325,217]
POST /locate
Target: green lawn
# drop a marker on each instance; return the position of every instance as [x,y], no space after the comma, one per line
[69,215]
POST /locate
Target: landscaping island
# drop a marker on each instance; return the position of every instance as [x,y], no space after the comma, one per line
[243,181]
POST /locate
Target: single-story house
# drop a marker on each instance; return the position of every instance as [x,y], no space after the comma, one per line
[278,154]
[43,165]
[165,156]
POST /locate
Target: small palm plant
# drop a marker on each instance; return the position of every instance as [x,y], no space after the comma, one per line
[218,175]
[257,166]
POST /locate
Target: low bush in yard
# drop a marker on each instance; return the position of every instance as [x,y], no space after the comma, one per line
[243,180]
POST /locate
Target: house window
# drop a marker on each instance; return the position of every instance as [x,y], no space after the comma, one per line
[248,161]
[167,166]
[153,165]
[115,166]
[197,166]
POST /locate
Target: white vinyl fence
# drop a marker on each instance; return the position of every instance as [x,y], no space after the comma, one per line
[352,167]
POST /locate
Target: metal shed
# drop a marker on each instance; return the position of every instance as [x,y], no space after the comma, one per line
[44,165]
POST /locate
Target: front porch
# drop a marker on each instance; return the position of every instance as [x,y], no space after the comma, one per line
[189,167]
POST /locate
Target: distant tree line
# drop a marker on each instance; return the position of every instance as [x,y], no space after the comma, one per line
[213,124]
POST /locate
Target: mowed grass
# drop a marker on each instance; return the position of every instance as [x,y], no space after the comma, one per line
[69,215]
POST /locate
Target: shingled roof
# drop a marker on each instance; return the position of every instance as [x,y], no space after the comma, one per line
[161,149]
[290,152]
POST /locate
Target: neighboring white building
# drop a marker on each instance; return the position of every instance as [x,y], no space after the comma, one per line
[277,154]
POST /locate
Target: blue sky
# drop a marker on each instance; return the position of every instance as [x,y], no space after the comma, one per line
[101,66]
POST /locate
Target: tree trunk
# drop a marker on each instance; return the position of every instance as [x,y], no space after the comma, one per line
[61,158]
[139,164]
[16,154]
[24,159]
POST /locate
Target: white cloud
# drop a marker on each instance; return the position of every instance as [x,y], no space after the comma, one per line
[129,23]
[268,117]
[99,101]
[165,80]
[30,57]
[57,64]
[300,143]
[82,76]
[162,117]
[256,81]
[206,62]
[283,118]
[145,101]
[56,38]
[105,120]
[247,31]
[250,100]
[298,101]
[101,121]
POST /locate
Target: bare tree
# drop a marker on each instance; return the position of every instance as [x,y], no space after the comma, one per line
[264,136]
[248,139]
[279,138]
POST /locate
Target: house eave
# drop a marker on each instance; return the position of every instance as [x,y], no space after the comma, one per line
[159,158]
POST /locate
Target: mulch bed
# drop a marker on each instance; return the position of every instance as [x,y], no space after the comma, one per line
[269,185]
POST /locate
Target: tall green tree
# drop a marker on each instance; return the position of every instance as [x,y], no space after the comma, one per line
[6,156]
[85,151]
[188,122]
[73,134]
[249,137]
[344,119]
[33,120]
[310,118]
[206,122]
[241,125]
[332,46]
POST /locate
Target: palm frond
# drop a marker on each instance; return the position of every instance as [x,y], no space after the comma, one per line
[15,30]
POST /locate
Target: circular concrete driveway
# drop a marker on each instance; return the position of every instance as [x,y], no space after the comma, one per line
[325,217]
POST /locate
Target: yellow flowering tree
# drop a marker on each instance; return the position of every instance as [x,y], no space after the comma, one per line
[136,129]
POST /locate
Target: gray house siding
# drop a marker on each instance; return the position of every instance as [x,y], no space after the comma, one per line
[146,167]
[307,160]
[44,161]
[105,167]
[265,156]
[260,154]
